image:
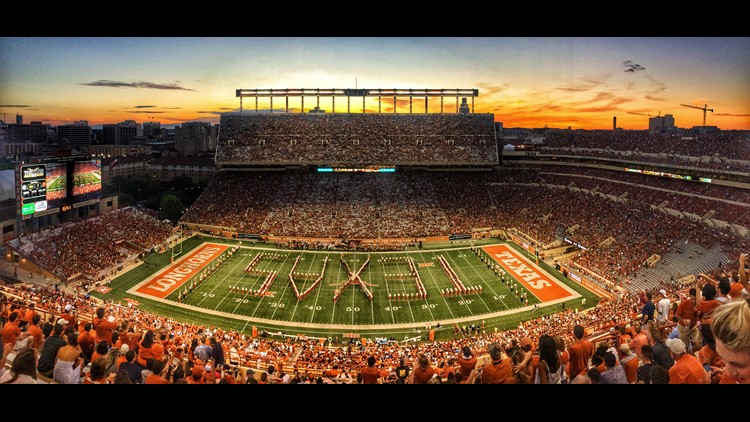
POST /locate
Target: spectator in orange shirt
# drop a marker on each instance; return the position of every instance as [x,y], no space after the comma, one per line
[28,315]
[370,373]
[104,326]
[580,353]
[123,351]
[629,362]
[87,341]
[687,369]
[705,303]
[466,362]
[11,332]
[36,332]
[423,371]
[499,371]
[730,327]
[639,339]
[150,349]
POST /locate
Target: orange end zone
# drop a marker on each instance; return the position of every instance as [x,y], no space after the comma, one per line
[177,274]
[545,288]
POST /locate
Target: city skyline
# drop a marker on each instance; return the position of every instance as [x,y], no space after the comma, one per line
[557,82]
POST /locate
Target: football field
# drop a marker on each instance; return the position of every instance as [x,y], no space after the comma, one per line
[80,179]
[296,289]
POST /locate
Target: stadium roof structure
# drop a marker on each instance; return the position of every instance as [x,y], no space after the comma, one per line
[358,92]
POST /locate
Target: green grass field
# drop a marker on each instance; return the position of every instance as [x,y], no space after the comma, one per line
[57,184]
[353,312]
[80,179]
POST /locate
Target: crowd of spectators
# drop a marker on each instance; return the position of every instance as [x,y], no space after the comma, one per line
[717,150]
[93,245]
[536,201]
[357,138]
[655,190]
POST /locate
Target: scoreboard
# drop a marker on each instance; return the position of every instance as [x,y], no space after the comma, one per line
[57,185]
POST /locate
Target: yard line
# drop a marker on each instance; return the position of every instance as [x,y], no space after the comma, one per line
[465,278]
[372,302]
[261,299]
[219,283]
[309,269]
[403,286]
[319,288]
[488,284]
[437,287]
[387,290]
[356,262]
[333,313]
[425,299]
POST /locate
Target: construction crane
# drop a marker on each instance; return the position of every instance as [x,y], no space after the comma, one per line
[704,108]
[640,114]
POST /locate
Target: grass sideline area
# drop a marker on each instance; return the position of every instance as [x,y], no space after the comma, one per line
[353,307]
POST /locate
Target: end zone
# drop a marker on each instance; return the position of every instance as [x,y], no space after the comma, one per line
[533,278]
[161,284]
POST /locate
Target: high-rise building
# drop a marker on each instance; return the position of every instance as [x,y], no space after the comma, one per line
[121,133]
[35,132]
[194,137]
[19,119]
[151,129]
[76,135]
[661,124]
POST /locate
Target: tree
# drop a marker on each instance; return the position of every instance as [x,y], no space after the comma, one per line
[171,207]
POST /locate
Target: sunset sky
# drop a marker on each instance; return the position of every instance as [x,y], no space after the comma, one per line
[559,82]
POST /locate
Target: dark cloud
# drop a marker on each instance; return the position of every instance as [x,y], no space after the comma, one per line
[226,108]
[208,112]
[172,108]
[731,115]
[147,112]
[144,106]
[14,105]
[140,84]
[652,98]
[632,67]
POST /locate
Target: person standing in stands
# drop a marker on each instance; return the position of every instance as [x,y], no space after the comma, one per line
[648,310]
[580,352]
[550,369]
[687,369]
[662,307]
[370,373]
[402,371]
[687,322]
[423,372]
[466,362]
[706,303]
[499,371]
[104,326]
[217,351]
[662,355]
[48,354]
[730,327]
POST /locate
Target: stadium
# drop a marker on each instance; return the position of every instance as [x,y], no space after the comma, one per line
[353,247]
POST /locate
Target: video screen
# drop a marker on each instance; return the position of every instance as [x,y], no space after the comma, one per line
[56,185]
[87,180]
